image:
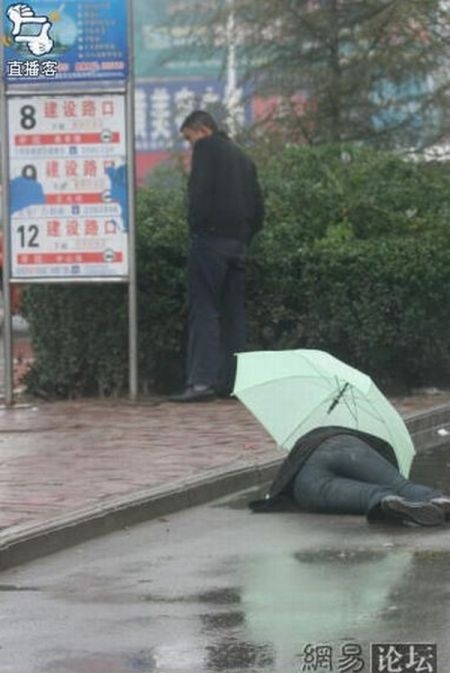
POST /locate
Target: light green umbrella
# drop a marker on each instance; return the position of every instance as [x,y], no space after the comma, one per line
[294,391]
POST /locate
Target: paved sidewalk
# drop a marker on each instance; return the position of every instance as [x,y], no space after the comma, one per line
[92,465]
[58,457]
[73,470]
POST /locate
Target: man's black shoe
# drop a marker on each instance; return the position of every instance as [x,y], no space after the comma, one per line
[443,502]
[195,394]
[225,394]
[420,513]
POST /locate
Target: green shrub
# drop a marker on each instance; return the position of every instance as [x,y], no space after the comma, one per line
[161,261]
[379,305]
[79,336]
[351,192]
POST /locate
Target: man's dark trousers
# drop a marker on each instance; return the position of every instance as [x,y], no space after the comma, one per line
[216,309]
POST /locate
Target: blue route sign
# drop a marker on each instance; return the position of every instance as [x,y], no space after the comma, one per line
[71,40]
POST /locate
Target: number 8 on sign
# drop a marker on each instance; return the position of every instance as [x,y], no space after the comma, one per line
[28,117]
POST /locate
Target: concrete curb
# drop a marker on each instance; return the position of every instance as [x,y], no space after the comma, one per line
[21,544]
[424,427]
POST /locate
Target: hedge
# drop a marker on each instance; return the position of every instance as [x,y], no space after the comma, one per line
[353,259]
[380,305]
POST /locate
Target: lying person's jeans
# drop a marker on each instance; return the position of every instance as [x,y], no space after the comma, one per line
[345,475]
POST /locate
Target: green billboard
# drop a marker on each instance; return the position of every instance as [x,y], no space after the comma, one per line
[168,40]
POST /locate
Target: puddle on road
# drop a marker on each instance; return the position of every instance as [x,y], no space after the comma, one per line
[340,556]
[223,621]
[220,596]
[15,587]
[287,600]
[141,662]
[215,596]
[273,606]
[234,655]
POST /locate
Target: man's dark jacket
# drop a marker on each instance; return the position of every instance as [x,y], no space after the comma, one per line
[224,194]
[279,496]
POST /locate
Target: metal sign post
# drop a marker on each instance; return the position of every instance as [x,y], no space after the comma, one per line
[7,309]
[68,150]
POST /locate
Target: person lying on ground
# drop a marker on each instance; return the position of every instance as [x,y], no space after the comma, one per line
[336,470]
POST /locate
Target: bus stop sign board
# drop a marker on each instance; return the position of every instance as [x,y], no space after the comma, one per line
[68,196]
[65,74]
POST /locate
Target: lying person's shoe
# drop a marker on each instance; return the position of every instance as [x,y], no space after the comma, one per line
[443,502]
[420,513]
[197,393]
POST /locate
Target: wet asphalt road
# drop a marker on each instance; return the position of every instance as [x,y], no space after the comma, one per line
[217,588]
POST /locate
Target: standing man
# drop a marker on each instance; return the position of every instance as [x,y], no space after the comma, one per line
[225,210]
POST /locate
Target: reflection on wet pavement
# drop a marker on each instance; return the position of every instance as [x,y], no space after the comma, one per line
[143,662]
[231,654]
[284,603]
[219,589]
[14,587]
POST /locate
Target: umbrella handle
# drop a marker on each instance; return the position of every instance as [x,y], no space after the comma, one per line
[336,400]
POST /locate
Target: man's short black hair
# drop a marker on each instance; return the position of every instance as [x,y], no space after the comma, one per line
[197,119]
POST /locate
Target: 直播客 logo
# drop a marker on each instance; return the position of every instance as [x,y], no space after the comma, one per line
[30,29]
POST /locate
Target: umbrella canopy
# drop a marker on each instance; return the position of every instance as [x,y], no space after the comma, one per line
[294,391]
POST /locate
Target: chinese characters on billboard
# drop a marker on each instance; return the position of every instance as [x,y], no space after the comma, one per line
[161,107]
